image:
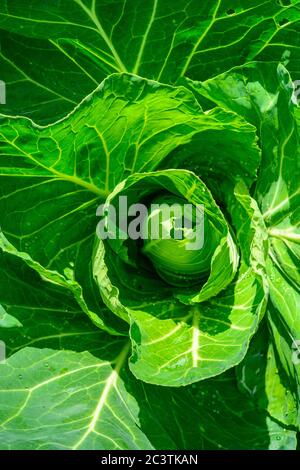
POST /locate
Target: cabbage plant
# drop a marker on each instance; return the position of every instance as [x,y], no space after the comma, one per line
[183,342]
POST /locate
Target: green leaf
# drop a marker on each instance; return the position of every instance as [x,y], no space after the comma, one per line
[239,158]
[285,327]
[262,377]
[56,399]
[56,186]
[46,311]
[193,191]
[72,379]
[43,78]
[270,371]
[102,318]
[65,400]
[85,42]
[6,320]
[263,94]
[176,344]
[80,164]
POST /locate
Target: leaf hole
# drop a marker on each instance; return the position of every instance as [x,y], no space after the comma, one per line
[284,3]
[283,22]
[230,11]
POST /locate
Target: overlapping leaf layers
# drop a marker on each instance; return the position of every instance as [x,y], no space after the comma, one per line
[105,350]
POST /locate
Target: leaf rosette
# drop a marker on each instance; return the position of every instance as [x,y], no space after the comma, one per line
[192,307]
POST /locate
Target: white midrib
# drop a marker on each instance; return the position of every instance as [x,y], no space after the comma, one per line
[282,204]
[278,233]
[278,186]
[42,384]
[110,383]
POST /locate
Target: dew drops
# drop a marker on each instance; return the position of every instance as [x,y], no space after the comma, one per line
[20,376]
[46,364]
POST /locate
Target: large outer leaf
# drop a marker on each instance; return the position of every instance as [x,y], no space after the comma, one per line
[102,318]
[44,310]
[65,400]
[42,81]
[54,53]
[59,174]
[57,186]
[262,377]
[103,410]
[58,399]
[284,323]
[263,94]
